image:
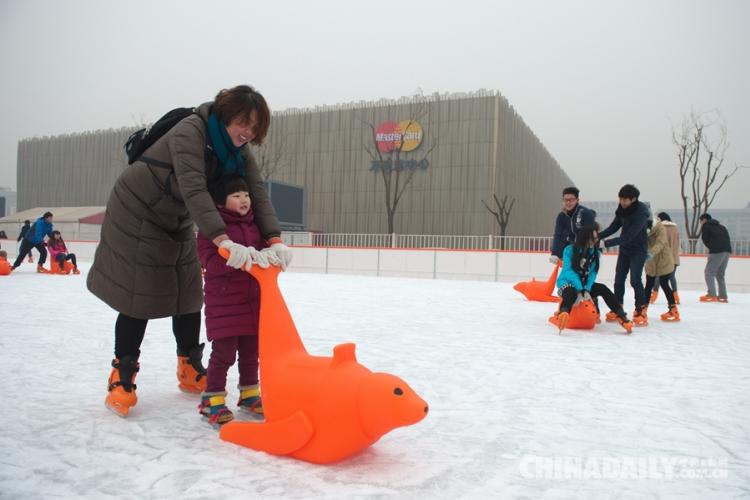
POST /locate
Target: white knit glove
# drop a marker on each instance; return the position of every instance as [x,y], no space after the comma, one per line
[258,258]
[554,259]
[273,259]
[284,253]
[586,296]
[239,255]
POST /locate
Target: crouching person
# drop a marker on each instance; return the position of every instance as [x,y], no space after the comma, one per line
[577,278]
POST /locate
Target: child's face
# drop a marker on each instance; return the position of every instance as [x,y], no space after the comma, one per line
[238,202]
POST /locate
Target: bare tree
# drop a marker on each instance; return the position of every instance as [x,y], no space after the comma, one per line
[700,158]
[502,214]
[270,156]
[396,172]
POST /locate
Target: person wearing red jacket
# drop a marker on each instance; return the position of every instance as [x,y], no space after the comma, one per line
[232,303]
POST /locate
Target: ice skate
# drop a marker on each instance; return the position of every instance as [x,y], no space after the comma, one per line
[213,406]
[191,374]
[250,399]
[121,394]
[672,315]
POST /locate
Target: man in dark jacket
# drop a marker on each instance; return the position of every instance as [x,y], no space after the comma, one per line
[24,230]
[716,238]
[632,217]
[569,221]
[34,238]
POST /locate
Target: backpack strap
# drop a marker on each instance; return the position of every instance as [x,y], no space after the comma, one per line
[208,152]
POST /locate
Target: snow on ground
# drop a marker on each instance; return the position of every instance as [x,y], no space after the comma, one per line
[516,411]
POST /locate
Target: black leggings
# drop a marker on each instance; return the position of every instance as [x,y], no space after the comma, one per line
[62,257]
[570,295]
[129,334]
[665,285]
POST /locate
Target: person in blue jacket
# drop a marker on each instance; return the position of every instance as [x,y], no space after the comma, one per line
[569,221]
[631,217]
[577,278]
[34,238]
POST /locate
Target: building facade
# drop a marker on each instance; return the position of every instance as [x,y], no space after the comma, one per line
[440,155]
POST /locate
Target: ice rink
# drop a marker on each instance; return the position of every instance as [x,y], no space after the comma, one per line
[516,411]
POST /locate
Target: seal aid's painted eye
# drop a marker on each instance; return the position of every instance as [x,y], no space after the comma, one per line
[398,392]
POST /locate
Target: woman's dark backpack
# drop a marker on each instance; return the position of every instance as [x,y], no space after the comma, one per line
[142,139]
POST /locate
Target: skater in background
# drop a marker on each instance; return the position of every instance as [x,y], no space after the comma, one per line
[673,236]
[59,252]
[146,265]
[569,221]
[232,299]
[34,238]
[660,264]
[577,278]
[24,230]
[631,217]
[716,238]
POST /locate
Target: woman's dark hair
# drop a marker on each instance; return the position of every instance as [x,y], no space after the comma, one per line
[227,185]
[584,238]
[629,191]
[664,216]
[240,102]
[55,242]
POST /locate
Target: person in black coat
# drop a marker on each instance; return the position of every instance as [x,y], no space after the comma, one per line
[716,238]
[631,217]
[24,230]
[569,221]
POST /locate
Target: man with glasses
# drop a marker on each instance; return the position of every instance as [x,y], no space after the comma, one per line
[569,221]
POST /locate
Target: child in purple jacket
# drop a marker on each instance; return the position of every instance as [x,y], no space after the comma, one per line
[232,301]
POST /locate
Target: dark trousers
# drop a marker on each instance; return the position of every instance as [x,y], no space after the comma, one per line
[62,257]
[633,264]
[570,295]
[129,334]
[25,249]
[223,353]
[665,285]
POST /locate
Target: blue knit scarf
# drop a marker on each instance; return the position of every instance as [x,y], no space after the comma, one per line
[229,155]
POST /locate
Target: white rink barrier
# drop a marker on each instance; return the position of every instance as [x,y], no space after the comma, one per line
[479,265]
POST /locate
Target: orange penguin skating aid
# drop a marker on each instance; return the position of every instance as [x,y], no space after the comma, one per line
[582,316]
[540,291]
[317,408]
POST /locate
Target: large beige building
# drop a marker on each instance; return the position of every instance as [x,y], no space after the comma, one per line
[458,149]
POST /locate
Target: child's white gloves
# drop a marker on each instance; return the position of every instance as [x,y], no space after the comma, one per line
[239,255]
[284,254]
[273,259]
[258,258]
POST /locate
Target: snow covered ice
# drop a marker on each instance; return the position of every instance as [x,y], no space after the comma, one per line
[516,411]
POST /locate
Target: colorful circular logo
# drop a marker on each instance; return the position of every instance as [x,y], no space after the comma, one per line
[390,135]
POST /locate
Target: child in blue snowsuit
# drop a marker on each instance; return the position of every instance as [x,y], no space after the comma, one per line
[577,278]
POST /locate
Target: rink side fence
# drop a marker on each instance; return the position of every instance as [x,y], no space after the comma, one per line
[478,265]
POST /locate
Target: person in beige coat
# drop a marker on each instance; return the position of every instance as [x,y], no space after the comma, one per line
[660,263]
[673,236]
[146,265]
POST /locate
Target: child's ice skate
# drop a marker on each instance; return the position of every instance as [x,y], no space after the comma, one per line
[250,399]
[213,406]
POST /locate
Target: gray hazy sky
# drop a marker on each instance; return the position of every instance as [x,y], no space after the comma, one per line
[599,82]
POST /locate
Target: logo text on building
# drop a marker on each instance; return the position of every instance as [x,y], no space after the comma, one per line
[404,136]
